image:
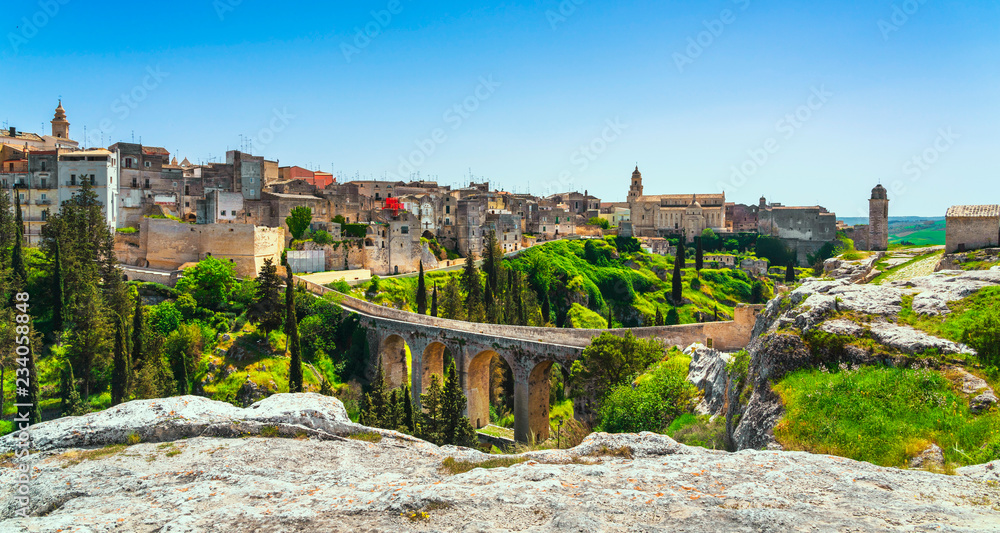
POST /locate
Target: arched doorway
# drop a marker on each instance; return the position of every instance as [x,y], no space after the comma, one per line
[395,356]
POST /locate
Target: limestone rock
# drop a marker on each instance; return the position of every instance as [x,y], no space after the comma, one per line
[930,457]
[708,372]
[982,403]
[250,393]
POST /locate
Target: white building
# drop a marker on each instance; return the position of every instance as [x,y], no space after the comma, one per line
[100,168]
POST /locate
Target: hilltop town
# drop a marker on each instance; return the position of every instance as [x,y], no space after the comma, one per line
[238,210]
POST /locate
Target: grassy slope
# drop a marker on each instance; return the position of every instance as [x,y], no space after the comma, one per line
[638,285]
[888,415]
[919,234]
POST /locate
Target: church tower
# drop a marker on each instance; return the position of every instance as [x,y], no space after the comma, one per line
[60,126]
[878,220]
[635,190]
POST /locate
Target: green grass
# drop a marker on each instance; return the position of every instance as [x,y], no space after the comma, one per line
[453,467]
[699,430]
[368,436]
[922,265]
[920,235]
[583,318]
[883,416]
[963,314]
[494,431]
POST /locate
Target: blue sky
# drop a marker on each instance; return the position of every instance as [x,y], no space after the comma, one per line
[803,103]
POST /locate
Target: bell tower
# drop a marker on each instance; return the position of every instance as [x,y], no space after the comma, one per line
[878,220]
[60,126]
[635,190]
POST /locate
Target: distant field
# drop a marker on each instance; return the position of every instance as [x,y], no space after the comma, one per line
[920,234]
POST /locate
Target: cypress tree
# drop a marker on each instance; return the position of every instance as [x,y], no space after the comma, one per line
[394,413]
[659,317]
[547,309]
[292,332]
[409,423]
[17,256]
[699,255]
[456,428]
[266,309]
[790,272]
[377,399]
[58,287]
[138,333]
[434,301]
[473,284]
[672,317]
[120,374]
[71,403]
[421,292]
[677,291]
[430,429]
[681,257]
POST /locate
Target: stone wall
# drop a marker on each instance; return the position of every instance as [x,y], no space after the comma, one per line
[971,233]
[166,245]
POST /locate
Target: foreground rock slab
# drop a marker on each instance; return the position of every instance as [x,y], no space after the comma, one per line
[613,483]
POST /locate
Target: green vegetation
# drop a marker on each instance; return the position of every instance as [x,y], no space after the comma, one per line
[298,221]
[659,396]
[930,233]
[127,231]
[582,318]
[454,467]
[884,416]
[974,320]
[603,223]
[367,436]
[699,430]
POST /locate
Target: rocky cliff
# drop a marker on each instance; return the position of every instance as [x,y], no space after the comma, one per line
[857,324]
[204,466]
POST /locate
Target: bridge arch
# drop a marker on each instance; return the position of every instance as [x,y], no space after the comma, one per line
[538,400]
[477,387]
[392,353]
[432,362]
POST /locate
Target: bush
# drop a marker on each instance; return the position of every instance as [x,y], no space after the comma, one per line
[660,396]
[341,286]
[322,238]
[701,431]
[983,336]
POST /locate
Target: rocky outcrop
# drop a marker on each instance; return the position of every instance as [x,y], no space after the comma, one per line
[170,419]
[853,271]
[609,483]
[836,322]
[708,372]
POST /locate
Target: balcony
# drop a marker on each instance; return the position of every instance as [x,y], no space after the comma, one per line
[43,202]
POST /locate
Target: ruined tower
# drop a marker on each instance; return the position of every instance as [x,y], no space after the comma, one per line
[878,220]
[635,190]
[60,126]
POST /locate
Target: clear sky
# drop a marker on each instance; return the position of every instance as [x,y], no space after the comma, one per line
[805,103]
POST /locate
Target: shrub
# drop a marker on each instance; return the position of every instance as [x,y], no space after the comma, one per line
[983,336]
[322,238]
[127,231]
[340,286]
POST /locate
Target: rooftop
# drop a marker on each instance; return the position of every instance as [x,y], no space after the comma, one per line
[974,211]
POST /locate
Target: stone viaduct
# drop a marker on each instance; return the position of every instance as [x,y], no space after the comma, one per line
[530,352]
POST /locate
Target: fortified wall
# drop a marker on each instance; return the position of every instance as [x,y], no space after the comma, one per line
[166,244]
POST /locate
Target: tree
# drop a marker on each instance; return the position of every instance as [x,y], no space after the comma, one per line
[473,285]
[183,348]
[376,400]
[757,295]
[138,335]
[659,317]
[434,301]
[89,342]
[603,223]
[681,252]
[610,361]
[121,373]
[71,403]
[790,272]
[456,429]
[298,221]
[211,282]
[699,254]
[17,257]
[421,292]
[493,267]
[672,318]
[431,402]
[58,297]
[409,416]
[266,310]
[677,289]
[292,332]
[451,302]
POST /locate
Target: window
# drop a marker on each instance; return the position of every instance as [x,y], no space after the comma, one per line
[447,209]
[251,181]
[21,196]
[149,164]
[174,185]
[223,213]
[72,179]
[43,166]
[187,190]
[45,183]
[93,179]
[147,184]
[45,215]
[405,230]
[187,204]
[43,197]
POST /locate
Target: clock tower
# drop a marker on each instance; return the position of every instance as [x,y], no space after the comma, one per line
[635,190]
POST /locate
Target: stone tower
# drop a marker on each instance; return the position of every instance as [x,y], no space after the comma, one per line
[60,126]
[635,190]
[878,220]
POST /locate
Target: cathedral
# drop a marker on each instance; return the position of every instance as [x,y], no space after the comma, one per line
[674,214]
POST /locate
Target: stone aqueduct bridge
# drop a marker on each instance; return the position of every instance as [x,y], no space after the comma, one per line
[530,353]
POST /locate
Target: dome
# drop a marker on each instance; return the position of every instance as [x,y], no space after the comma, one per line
[879,193]
[60,112]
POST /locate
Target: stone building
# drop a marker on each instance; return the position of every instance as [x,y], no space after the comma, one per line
[804,230]
[972,226]
[674,214]
[741,218]
[507,228]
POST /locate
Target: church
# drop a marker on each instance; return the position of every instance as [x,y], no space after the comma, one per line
[674,214]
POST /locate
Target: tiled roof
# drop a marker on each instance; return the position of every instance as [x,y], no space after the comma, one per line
[974,211]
